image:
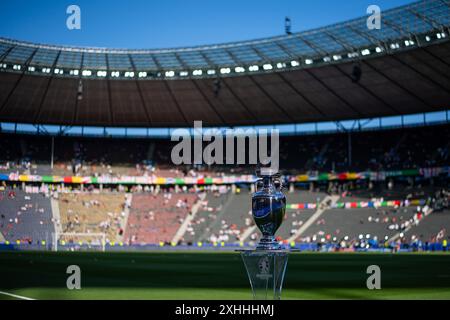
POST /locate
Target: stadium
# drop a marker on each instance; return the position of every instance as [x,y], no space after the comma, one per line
[87,178]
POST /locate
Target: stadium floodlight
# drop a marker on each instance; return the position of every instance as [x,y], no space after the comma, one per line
[281,65]
[86,73]
[365,52]
[31,68]
[409,43]
[184,73]
[295,63]
[129,74]
[440,35]
[4,66]
[253,68]
[239,69]
[394,45]
[378,49]
[267,66]
[337,57]
[326,59]
[142,74]
[115,74]
[352,55]
[307,61]
[211,72]
[197,72]
[17,67]
[101,73]
[74,72]
[428,38]
[225,70]
[46,70]
[360,236]
[170,74]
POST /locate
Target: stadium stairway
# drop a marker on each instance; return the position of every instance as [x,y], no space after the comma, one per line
[327,202]
[430,226]
[248,232]
[56,215]
[398,235]
[182,230]
[124,220]
[233,212]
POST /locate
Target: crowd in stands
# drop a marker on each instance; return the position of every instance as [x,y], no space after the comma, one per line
[25,217]
[137,214]
[378,150]
[156,217]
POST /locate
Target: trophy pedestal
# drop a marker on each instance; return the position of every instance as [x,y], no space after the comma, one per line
[265,270]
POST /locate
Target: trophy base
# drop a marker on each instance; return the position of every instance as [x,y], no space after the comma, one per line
[268,243]
[265,270]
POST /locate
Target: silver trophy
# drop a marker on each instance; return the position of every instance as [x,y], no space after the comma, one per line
[268,209]
[266,266]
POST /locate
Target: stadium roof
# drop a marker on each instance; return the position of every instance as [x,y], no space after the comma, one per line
[339,39]
[305,77]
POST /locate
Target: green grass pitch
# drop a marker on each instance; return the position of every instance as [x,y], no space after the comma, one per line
[205,275]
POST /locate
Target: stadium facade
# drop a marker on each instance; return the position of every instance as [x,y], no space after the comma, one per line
[342,77]
[331,74]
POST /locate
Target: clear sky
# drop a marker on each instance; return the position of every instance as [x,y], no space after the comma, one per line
[171,23]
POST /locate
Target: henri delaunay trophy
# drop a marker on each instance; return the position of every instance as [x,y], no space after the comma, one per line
[266,265]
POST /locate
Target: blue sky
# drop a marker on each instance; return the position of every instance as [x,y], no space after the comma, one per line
[171,23]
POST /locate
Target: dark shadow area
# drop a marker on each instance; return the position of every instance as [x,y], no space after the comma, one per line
[213,271]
